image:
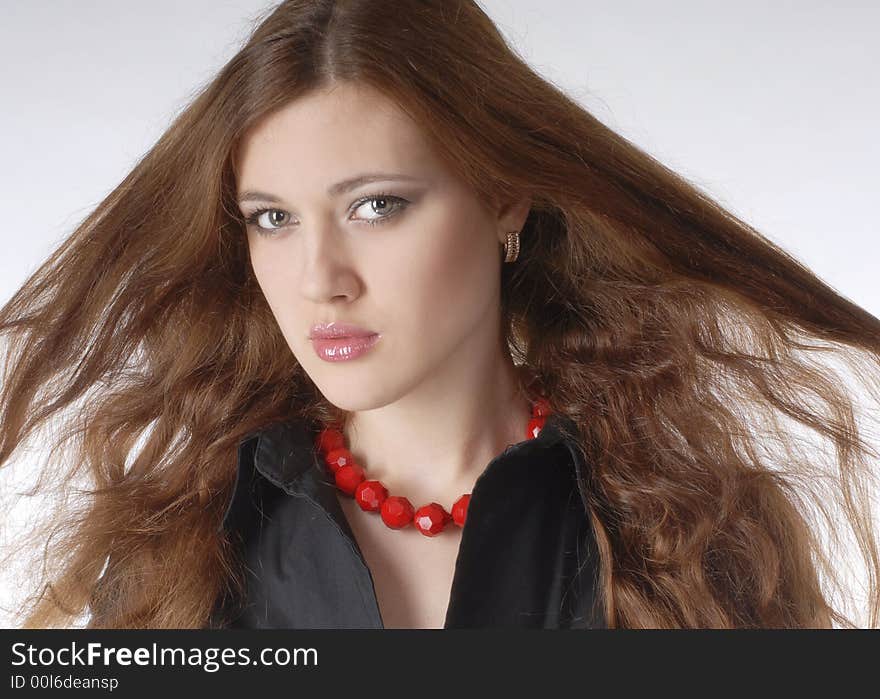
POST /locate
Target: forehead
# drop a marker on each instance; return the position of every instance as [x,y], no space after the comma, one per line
[332,132]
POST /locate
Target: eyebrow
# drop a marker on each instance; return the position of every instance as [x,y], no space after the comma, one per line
[334,189]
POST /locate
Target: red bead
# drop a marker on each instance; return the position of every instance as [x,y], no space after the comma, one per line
[431,519]
[535,426]
[459,509]
[348,478]
[541,408]
[338,458]
[370,495]
[397,512]
[329,439]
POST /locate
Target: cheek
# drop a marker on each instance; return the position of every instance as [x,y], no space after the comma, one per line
[448,280]
[269,274]
[274,278]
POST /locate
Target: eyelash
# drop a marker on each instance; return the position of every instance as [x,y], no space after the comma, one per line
[251,220]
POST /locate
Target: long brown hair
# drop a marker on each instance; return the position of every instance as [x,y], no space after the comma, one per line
[677,337]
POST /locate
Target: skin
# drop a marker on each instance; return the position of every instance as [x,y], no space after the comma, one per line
[434,400]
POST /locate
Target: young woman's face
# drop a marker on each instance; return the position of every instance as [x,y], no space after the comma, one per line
[413,256]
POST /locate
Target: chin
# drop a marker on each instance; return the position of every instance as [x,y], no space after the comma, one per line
[346,393]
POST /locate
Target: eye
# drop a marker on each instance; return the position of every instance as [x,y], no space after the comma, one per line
[267,220]
[380,204]
[270,223]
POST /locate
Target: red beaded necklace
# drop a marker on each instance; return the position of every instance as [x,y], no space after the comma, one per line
[397,512]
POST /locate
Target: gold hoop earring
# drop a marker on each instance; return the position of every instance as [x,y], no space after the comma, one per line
[511,247]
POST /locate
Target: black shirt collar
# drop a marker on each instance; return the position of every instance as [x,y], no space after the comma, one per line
[285,454]
[527,556]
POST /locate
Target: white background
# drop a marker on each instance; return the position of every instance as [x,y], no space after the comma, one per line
[770,107]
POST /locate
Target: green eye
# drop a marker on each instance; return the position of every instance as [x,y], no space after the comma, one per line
[253,219]
[278,218]
[382,201]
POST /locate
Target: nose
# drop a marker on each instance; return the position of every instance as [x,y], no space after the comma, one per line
[327,264]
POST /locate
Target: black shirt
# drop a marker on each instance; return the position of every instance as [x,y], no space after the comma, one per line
[527,555]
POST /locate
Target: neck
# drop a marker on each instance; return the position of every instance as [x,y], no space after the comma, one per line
[432,444]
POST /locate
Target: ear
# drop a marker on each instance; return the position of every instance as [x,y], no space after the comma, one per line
[512,216]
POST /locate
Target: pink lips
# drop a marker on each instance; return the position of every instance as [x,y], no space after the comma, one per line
[339,342]
[335,330]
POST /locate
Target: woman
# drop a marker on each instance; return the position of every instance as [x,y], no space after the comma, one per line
[547,320]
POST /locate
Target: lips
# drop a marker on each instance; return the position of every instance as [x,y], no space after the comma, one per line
[342,349]
[334,330]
